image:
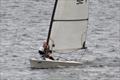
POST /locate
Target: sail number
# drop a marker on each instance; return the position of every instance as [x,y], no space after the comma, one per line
[81,1]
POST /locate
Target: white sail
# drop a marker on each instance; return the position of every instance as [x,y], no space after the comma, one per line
[69,25]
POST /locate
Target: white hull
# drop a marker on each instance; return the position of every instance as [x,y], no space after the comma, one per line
[35,63]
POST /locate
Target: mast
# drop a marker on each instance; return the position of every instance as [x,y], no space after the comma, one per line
[51,23]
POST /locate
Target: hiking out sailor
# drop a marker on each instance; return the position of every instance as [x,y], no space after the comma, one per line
[45,52]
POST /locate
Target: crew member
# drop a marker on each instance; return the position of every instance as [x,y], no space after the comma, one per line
[45,52]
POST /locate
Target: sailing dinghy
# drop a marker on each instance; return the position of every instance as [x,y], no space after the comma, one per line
[67,31]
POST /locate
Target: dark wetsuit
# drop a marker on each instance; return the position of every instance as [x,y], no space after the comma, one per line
[45,54]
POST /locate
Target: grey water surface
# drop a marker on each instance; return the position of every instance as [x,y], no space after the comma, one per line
[24,26]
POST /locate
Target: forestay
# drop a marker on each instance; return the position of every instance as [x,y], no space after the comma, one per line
[69,25]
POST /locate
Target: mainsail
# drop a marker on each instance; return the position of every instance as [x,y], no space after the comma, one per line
[68,25]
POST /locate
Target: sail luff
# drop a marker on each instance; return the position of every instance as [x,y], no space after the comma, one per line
[51,22]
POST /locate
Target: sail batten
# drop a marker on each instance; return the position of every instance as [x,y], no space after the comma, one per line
[69,25]
[72,20]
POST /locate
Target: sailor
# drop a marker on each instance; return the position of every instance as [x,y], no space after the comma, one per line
[45,52]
